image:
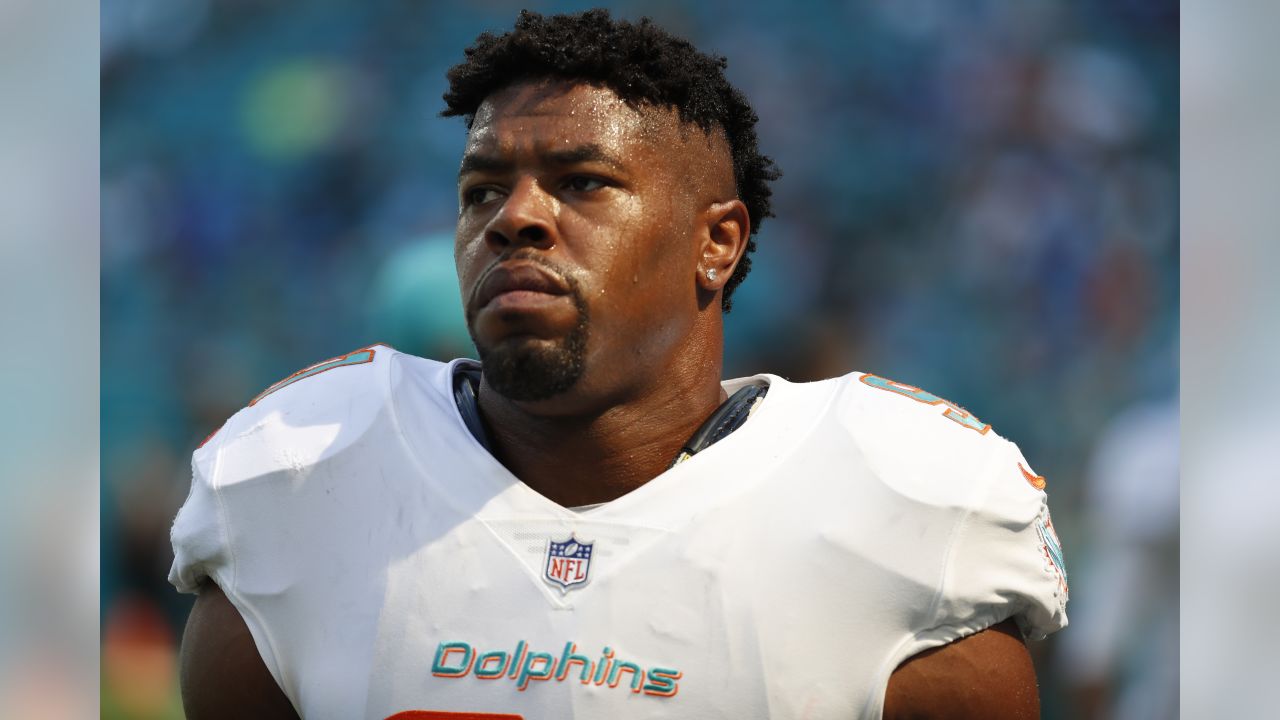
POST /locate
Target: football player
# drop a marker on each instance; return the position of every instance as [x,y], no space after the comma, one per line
[590,522]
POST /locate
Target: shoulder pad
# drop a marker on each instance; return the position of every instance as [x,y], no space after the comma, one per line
[1005,559]
[308,415]
[921,445]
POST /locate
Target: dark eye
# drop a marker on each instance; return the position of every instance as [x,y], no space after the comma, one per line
[480,195]
[583,183]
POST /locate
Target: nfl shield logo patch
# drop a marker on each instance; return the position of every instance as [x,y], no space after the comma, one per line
[568,563]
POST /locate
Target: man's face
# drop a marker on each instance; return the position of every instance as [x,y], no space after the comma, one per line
[576,244]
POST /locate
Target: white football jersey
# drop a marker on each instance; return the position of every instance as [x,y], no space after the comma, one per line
[388,566]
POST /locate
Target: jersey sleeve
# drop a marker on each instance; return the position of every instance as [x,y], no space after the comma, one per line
[199,536]
[1005,559]
[202,548]
[271,492]
[248,473]
[999,556]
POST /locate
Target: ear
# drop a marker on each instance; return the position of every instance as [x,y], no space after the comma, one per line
[728,228]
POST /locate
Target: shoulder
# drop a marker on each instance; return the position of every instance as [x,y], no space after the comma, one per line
[921,444]
[966,504]
[302,418]
[1002,556]
[304,437]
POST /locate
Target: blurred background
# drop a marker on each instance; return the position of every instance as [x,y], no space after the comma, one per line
[980,198]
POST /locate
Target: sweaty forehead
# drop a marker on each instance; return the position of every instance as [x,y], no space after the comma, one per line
[545,115]
[560,113]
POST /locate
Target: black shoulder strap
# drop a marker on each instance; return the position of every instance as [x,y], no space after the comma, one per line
[466,383]
[730,416]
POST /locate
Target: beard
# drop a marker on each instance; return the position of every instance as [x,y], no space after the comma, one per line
[531,370]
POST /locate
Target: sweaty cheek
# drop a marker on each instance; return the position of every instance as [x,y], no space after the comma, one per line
[465,256]
[636,254]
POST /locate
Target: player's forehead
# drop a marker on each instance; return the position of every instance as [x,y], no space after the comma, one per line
[540,115]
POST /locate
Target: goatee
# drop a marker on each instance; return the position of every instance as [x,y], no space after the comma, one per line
[531,370]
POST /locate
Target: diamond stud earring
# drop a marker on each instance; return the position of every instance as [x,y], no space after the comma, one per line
[711,275]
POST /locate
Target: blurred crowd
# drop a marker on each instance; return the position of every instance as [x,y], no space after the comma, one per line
[980,197]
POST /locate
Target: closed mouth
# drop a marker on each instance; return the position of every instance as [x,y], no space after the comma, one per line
[521,277]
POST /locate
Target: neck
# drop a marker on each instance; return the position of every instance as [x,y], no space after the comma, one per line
[601,450]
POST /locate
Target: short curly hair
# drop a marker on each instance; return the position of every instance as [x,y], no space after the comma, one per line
[640,62]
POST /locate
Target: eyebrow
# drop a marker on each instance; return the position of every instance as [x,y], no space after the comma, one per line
[590,152]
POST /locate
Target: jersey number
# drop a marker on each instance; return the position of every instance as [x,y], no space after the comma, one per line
[954,412]
[356,357]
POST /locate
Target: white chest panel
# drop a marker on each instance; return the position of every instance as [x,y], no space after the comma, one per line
[386,563]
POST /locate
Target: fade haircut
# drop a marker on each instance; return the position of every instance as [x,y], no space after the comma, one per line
[643,65]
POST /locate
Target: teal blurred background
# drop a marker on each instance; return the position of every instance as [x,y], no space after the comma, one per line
[980,198]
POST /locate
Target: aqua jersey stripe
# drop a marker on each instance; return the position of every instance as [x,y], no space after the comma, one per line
[356,358]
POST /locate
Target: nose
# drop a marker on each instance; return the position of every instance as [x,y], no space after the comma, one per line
[526,218]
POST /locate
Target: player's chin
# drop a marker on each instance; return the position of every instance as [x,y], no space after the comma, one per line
[532,369]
